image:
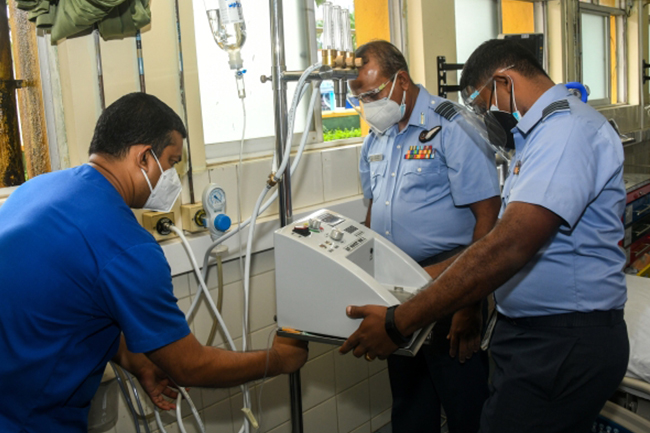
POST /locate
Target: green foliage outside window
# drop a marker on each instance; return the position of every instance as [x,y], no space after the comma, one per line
[340,134]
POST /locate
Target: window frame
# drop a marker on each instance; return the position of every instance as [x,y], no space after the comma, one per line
[228,151]
[621,51]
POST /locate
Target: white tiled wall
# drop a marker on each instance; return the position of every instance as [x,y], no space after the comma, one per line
[340,393]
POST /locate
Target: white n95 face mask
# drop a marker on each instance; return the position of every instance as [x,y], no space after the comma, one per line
[384,113]
[167,190]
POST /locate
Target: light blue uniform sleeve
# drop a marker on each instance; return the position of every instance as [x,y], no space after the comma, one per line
[138,293]
[471,166]
[566,169]
[364,168]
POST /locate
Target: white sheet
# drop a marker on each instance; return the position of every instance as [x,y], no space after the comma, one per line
[637,317]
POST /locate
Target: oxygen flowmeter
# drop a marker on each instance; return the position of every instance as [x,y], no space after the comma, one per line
[214,204]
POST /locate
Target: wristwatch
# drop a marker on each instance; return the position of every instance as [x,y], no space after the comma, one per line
[392,330]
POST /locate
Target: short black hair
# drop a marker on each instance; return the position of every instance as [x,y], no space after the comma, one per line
[496,54]
[136,118]
[389,58]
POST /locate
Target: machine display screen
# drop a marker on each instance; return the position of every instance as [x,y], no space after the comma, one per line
[330,219]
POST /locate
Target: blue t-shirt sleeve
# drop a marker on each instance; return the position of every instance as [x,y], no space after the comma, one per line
[471,166]
[560,172]
[138,293]
[364,169]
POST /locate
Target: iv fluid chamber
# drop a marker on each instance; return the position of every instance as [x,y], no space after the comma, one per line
[326,262]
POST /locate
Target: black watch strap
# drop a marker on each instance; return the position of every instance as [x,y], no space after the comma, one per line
[392,330]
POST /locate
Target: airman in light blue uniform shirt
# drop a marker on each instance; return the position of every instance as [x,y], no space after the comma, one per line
[568,160]
[421,205]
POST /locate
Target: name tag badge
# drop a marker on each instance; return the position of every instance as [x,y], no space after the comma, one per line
[376,157]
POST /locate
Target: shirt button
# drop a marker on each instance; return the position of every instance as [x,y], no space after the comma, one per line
[387,203]
[392,174]
[387,232]
[419,169]
[399,147]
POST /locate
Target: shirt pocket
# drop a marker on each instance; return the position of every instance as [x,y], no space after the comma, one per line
[422,180]
[377,175]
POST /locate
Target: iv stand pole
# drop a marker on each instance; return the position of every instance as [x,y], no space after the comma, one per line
[284,193]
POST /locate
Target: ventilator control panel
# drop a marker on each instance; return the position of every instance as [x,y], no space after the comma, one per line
[330,232]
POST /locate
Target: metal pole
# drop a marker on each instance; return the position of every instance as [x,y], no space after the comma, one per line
[11,161]
[284,192]
[100,70]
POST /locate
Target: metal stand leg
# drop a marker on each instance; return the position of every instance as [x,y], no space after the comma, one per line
[280,103]
[296,402]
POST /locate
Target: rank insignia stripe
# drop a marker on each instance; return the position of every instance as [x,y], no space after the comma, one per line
[426,136]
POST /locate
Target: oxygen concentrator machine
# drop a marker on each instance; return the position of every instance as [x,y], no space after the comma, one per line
[325,262]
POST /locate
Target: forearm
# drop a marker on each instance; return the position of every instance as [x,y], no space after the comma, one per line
[190,363]
[368,214]
[471,277]
[221,368]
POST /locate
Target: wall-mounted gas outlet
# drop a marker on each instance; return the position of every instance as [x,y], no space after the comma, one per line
[214,203]
[156,224]
[193,217]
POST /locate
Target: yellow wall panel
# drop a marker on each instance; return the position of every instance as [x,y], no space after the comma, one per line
[371,20]
[120,66]
[517,17]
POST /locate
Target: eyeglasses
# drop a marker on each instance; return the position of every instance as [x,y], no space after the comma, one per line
[470,95]
[370,95]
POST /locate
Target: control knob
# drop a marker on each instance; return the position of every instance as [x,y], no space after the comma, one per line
[336,235]
[314,224]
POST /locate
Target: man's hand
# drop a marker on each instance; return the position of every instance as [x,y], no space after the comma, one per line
[465,332]
[287,355]
[156,383]
[371,337]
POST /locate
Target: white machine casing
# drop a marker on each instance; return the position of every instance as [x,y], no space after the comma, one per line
[317,277]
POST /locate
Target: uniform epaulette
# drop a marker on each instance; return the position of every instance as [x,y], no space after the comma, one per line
[447,109]
[556,107]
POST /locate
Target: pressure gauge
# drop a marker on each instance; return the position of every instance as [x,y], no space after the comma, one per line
[214,204]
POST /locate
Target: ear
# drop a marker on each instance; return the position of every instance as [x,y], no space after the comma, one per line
[143,154]
[403,80]
[505,81]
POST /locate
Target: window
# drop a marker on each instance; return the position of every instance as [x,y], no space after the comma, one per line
[603,55]
[476,22]
[220,106]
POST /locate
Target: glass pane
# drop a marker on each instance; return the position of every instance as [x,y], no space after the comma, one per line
[220,105]
[594,55]
[476,22]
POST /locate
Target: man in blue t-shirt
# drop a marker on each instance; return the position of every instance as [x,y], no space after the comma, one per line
[84,283]
[560,344]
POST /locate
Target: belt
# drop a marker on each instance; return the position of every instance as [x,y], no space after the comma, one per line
[441,257]
[568,320]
